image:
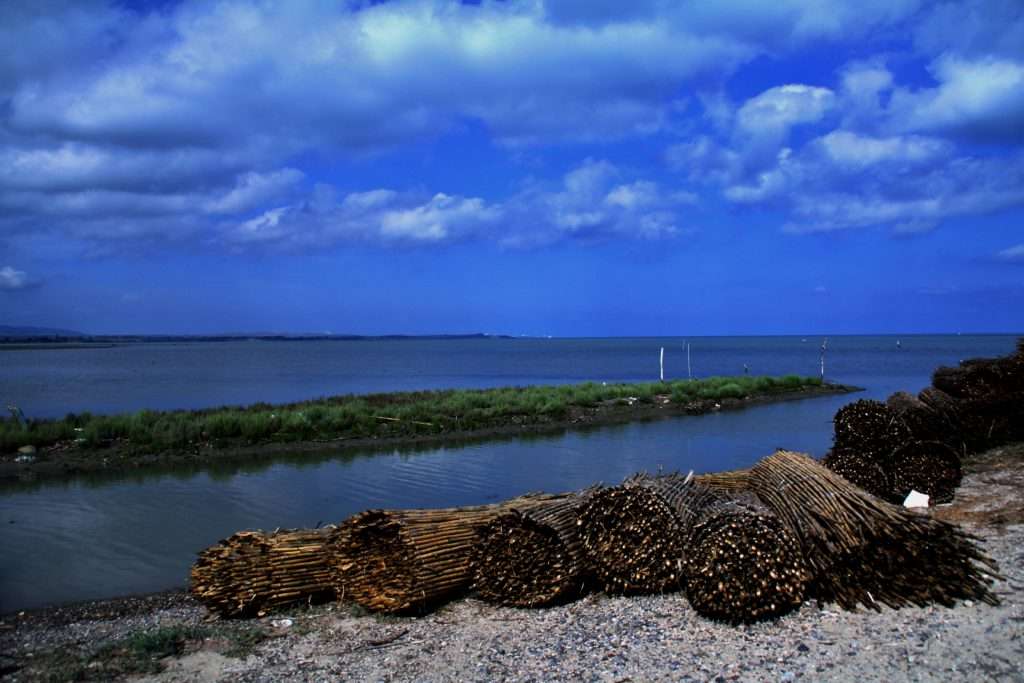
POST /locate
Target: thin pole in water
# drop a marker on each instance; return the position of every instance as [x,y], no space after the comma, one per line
[689,373]
[824,345]
[661,364]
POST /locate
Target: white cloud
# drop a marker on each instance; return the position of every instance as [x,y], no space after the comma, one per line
[972,28]
[777,109]
[980,99]
[255,189]
[441,218]
[764,122]
[1014,254]
[860,151]
[593,200]
[11,279]
[378,216]
[843,180]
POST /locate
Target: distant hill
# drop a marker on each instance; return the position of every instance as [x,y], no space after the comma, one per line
[15,331]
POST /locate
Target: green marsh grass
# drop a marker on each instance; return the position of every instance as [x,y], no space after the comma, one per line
[407,414]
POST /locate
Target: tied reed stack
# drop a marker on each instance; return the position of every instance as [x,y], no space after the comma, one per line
[730,482]
[742,565]
[861,470]
[863,550]
[634,537]
[926,466]
[532,556]
[407,560]
[869,427]
[252,572]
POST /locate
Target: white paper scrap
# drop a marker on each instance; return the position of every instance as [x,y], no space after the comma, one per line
[916,499]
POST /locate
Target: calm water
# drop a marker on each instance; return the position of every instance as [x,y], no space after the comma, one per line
[105,537]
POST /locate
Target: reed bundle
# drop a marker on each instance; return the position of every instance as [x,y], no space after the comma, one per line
[634,537]
[407,560]
[928,467]
[869,427]
[728,482]
[863,550]
[860,470]
[532,556]
[252,572]
[742,565]
[924,422]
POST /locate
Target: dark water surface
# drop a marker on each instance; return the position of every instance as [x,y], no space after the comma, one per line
[103,537]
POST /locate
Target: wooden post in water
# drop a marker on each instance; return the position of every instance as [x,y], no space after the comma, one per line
[661,364]
[689,374]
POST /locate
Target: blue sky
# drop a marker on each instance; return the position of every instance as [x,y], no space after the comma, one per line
[570,167]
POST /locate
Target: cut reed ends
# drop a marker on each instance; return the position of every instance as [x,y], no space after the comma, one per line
[742,565]
[532,556]
[396,561]
[633,539]
[865,551]
[252,572]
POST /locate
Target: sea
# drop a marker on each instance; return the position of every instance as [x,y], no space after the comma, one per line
[106,536]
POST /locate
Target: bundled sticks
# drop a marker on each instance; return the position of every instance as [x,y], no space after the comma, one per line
[252,572]
[406,560]
[869,427]
[742,565]
[729,482]
[532,555]
[865,551]
[861,470]
[633,538]
[930,467]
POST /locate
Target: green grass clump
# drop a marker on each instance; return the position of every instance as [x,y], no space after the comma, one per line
[402,414]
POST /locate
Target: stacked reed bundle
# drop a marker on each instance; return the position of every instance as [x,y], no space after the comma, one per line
[730,482]
[406,560]
[929,467]
[924,422]
[869,427]
[865,551]
[634,537]
[742,565]
[532,556]
[989,397]
[861,470]
[252,572]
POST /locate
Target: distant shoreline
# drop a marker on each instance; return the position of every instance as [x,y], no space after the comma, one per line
[64,460]
[47,342]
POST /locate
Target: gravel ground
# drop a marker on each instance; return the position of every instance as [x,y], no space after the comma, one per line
[599,638]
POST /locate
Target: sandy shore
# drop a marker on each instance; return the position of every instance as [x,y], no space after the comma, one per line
[599,638]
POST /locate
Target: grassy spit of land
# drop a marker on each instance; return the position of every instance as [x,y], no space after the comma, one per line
[86,442]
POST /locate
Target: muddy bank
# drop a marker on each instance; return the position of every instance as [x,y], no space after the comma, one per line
[66,461]
[169,637]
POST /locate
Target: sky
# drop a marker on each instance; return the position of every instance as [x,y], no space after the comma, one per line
[544,167]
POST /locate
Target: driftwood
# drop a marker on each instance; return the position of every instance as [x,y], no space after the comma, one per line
[928,467]
[742,565]
[252,572]
[408,560]
[532,555]
[863,550]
